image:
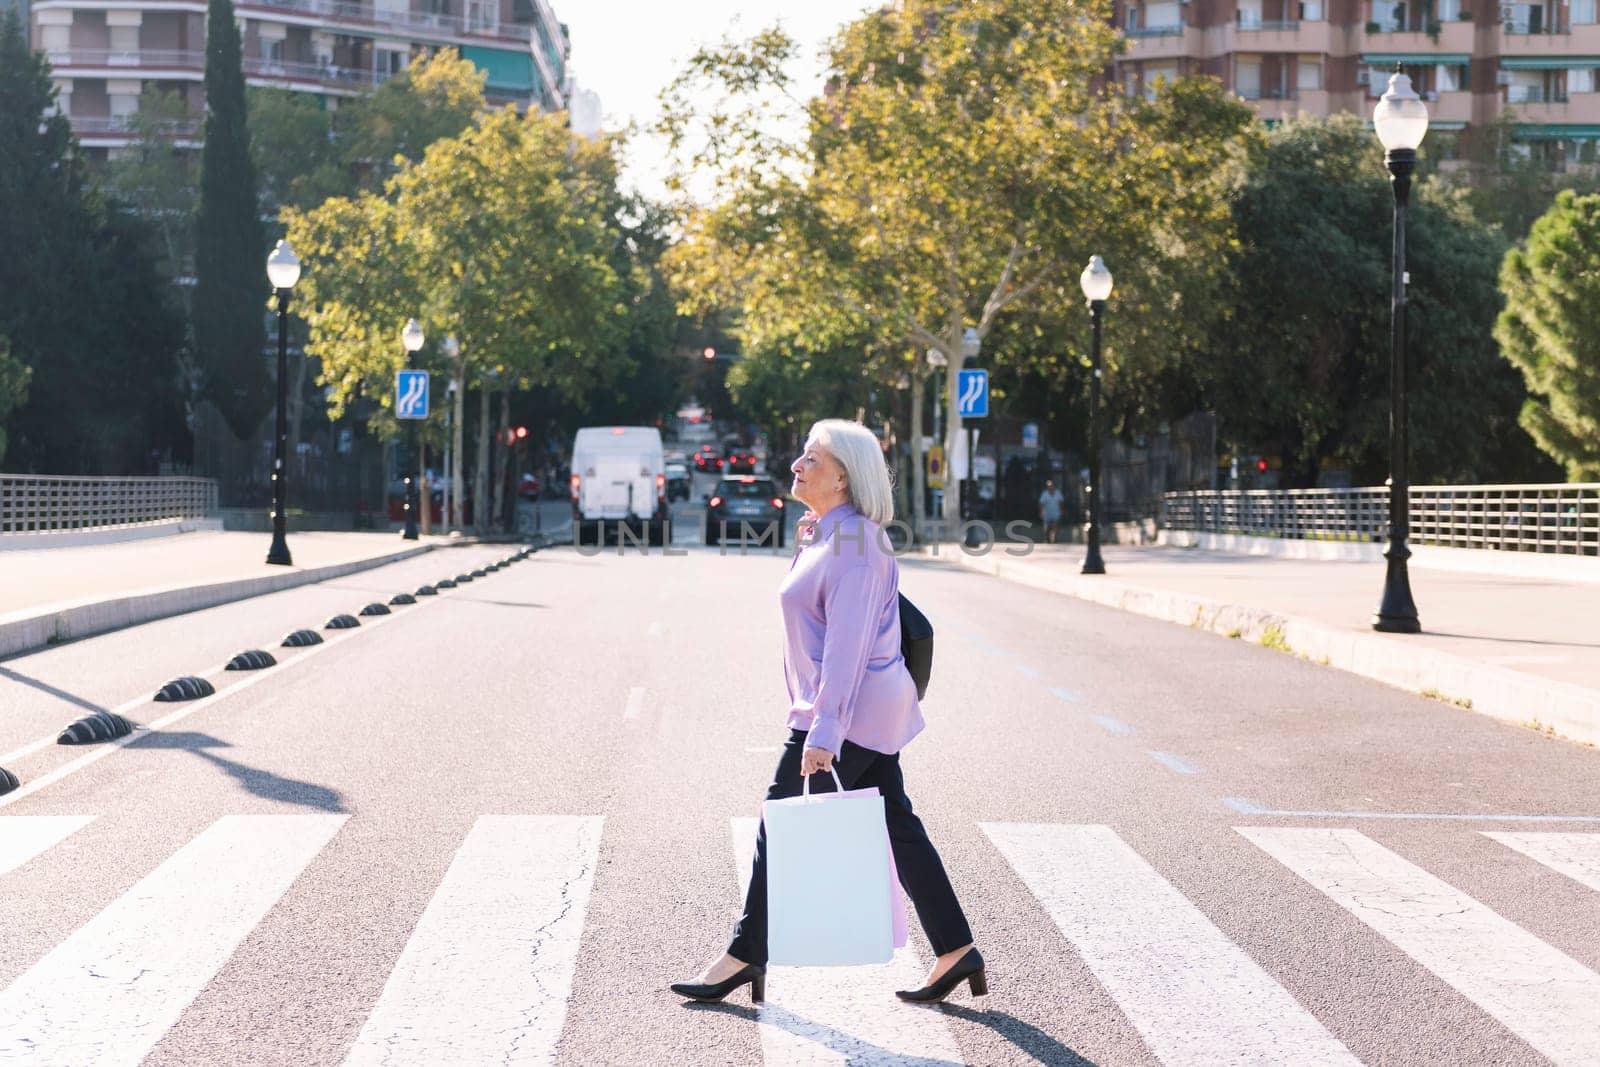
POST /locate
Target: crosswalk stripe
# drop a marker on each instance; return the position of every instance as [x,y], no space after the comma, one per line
[23,837]
[844,1015]
[108,993]
[1193,995]
[1575,855]
[487,972]
[1536,991]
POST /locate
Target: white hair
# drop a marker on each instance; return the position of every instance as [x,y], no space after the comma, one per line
[866,474]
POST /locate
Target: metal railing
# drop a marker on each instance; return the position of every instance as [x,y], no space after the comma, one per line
[423,22]
[1507,518]
[1173,30]
[32,503]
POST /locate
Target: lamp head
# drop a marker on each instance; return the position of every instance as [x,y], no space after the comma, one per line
[411,336]
[1095,280]
[1401,118]
[283,267]
[936,358]
[971,344]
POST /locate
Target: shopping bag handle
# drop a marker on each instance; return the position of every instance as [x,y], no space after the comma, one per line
[805,789]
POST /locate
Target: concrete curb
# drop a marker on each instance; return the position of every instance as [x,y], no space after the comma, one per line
[105,535]
[35,628]
[1512,696]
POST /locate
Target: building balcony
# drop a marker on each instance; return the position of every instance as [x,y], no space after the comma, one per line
[1305,38]
[100,131]
[1578,109]
[1454,38]
[421,24]
[1451,106]
[1581,40]
[1162,42]
[145,63]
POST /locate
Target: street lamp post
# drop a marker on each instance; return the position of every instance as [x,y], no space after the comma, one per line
[971,347]
[1096,283]
[1401,120]
[452,450]
[283,270]
[937,363]
[412,338]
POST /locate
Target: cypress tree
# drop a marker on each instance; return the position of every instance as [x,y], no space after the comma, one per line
[231,286]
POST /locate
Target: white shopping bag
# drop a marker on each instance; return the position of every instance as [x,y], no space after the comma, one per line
[828,880]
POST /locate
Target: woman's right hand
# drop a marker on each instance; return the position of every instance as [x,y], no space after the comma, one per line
[806,528]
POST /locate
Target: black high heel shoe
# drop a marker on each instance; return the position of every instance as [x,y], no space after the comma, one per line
[713,992]
[968,968]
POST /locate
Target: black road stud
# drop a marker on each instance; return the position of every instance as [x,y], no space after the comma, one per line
[376,608]
[101,726]
[302,638]
[252,659]
[427,590]
[402,598]
[8,781]
[186,688]
[463,579]
[480,573]
[448,583]
[342,622]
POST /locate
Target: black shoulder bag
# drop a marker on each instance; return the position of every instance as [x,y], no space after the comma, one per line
[916,644]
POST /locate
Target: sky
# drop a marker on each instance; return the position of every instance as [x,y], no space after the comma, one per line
[628,50]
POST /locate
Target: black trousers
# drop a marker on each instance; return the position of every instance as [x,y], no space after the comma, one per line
[921,871]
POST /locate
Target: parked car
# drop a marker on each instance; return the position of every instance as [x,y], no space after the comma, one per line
[736,501]
[677,481]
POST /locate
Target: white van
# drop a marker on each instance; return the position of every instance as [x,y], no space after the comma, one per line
[618,476]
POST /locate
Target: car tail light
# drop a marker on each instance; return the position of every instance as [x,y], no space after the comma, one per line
[576,481]
[715,501]
[777,501]
[661,484]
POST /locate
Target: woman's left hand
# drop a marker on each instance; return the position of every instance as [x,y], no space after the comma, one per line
[813,760]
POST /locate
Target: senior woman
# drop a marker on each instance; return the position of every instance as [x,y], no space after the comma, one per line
[853,706]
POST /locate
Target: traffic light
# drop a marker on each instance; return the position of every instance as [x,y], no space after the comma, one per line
[522,431]
[709,353]
[1261,465]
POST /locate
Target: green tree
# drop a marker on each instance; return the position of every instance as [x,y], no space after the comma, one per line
[158,175]
[506,237]
[292,142]
[1301,369]
[1550,331]
[230,245]
[435,98]
[13,388]
[961,168]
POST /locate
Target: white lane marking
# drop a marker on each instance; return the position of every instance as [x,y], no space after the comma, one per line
[653,630]
[1249,807]
[488,970]
[1028,672]
[1066,694]
[1113,725]
[1575,855]
[844,1015]
[108,993]
[1536,991]
[23,837]
[1193,995]
[1173,762]
[183,711]
[635,703]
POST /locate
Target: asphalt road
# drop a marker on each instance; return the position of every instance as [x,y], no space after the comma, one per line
[495,825]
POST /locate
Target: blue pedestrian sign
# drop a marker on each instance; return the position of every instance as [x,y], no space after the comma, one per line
[411,395]
[972,394]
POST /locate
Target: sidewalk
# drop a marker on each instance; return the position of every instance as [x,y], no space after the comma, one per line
[55,594]
[1522,649]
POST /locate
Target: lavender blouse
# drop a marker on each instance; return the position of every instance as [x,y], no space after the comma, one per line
[841,618]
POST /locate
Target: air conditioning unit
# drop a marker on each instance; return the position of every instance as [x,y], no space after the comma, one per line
[1363,77]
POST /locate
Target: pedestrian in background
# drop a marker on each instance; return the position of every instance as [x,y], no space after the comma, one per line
[853,705]
[1050,510]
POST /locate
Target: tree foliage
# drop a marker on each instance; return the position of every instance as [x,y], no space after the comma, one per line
[14,375]
[1550,331]
[230,245]
[1301,370]
[961,167]
[90,331]
[506,236]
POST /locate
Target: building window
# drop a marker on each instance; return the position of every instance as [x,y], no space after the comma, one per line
[1167,74]
[1311,11]
[1308,75]
[1389,15]
[1582,14]
[1132,19]
[1250,14]
[1247,78]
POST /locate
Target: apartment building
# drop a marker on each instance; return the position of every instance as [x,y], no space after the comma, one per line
[1472,61]
[105,53]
